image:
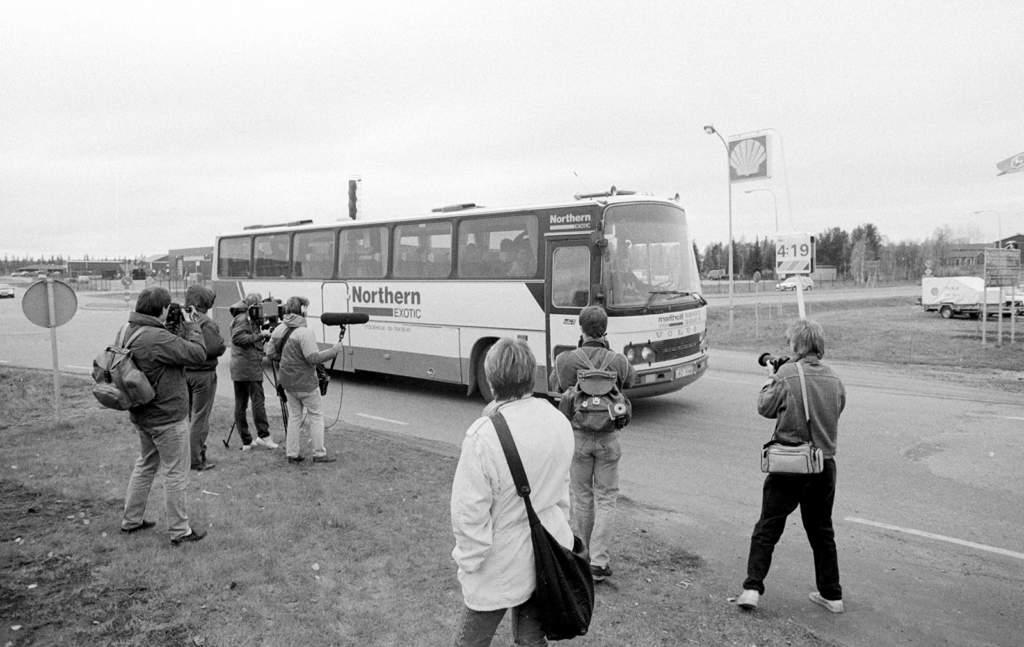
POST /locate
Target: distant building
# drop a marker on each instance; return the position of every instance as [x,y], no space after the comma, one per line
[190,260]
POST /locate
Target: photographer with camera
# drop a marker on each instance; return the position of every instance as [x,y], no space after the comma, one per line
[594,475]
[161,423]
[295,348]
[247,340]
[201,377]
[791,383]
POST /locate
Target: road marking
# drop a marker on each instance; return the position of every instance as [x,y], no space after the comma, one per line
[931,535]
[394,422]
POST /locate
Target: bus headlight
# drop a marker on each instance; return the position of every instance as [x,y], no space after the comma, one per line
[647,354]
[630,354]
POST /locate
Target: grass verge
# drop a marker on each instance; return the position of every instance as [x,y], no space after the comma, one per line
[350,553]
[892,332]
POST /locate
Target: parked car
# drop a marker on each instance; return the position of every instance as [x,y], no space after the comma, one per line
[806,282]
[6,291]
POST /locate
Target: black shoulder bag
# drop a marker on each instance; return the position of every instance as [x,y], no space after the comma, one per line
[564,597]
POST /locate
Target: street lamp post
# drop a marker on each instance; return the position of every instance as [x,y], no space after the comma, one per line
[775,204]
[710,129]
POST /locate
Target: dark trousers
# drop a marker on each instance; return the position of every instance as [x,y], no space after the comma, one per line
[814,493]
[244,392]
[202,388]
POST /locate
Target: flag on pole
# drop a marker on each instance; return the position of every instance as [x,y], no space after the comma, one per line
[1011,165]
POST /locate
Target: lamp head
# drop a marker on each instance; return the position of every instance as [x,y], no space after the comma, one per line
[709,129]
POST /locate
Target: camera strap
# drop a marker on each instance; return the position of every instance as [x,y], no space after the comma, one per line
[283,340]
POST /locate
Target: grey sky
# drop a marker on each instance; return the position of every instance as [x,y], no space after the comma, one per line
[129,128]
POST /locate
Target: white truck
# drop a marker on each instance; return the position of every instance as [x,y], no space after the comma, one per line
[963,295]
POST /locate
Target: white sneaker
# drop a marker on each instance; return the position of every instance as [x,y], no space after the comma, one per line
[246,448]
[835,606]
[748,599]
[267,442]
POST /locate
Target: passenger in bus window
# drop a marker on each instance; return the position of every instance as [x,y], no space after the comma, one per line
[471,264]
[524,263]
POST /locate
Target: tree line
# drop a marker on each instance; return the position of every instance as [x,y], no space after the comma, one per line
[855,254]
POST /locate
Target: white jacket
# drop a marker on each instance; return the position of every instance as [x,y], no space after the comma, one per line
[493,549]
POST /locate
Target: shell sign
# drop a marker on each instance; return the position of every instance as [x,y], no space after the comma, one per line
[748,159]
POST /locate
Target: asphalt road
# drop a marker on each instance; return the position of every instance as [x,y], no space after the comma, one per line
[928,510]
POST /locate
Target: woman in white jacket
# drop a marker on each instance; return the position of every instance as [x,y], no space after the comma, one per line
[493,549]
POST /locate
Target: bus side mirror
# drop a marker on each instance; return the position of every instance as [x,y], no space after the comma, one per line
[598,240]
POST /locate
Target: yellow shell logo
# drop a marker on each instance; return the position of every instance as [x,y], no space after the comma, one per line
[747,156]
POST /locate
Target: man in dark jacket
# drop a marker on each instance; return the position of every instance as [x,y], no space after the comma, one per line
[161,424]
[202,377]
[594,475]
[247,341]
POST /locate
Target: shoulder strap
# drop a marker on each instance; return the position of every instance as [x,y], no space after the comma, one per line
[609,357]
[284,339]
[121,333]
[585,357]
[515,464]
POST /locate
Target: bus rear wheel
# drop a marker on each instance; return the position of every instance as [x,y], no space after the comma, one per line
[945,312]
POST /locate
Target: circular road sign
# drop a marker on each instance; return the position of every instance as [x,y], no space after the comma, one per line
[757,276]
[36,305]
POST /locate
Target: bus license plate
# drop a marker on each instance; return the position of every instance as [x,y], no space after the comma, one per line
[683,371]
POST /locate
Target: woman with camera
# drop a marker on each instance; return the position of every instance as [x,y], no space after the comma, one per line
[792,383]
[202,377]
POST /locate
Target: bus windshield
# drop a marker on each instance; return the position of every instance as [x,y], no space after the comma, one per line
[649,259]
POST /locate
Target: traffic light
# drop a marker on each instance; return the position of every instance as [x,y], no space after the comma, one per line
[352,199]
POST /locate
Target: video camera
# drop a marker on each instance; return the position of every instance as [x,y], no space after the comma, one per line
[767,358]
[266,314]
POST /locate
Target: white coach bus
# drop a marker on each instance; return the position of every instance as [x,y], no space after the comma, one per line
[441,288]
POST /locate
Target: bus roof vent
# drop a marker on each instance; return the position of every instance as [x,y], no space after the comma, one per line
[456,207]
[293,223]
[604,194]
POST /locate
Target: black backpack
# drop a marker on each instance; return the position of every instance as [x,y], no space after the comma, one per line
[595,403]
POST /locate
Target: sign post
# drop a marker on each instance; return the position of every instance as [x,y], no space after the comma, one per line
[50,303]
[1002,269]
[794,254]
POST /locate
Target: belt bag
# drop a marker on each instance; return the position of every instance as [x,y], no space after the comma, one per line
[804,458]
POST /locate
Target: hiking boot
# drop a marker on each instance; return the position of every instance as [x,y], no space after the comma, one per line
[748,599]
[835,606]
[267,442]
[191,536]
[600,573]
[141,526]
[324,459]
[295,459]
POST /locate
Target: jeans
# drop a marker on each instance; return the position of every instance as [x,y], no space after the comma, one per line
[160,446]
[313,420]
[244,391]
[814,493]
[476,628]
[594,491]
[202,387]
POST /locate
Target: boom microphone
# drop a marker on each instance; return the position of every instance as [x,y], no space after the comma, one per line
[343,318]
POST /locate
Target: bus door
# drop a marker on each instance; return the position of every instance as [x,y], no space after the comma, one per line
[570,283]
[334,298]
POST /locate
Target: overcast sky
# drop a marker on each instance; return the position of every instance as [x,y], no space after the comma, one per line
[129,128]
